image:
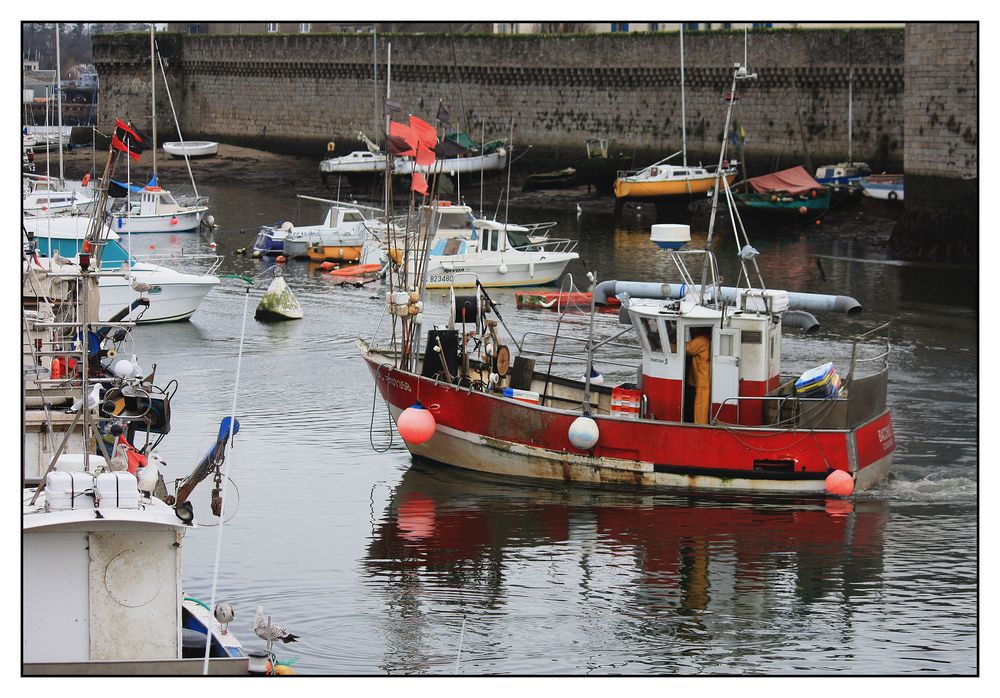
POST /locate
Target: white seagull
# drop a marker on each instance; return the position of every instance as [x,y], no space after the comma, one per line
[148,475]
[92,398]
[224,613]
[271,632]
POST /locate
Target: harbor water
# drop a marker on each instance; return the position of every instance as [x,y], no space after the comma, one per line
[383,565]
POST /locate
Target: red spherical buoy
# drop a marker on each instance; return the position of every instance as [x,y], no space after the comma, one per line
[173,220]
[839,483]
[416,424]
[280,259]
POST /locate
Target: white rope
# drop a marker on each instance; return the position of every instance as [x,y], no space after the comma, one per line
[461,638]
[227,465]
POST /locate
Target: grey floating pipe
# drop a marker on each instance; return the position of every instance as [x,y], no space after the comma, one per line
[820,302]
[801,320]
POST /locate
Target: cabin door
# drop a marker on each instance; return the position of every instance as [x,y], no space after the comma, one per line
[725,370]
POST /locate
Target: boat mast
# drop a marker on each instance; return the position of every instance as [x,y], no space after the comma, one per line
[59,106]
[739,73]
[850,101]
[684,138]
[152,84]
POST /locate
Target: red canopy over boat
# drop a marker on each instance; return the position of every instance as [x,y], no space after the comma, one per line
[794,181]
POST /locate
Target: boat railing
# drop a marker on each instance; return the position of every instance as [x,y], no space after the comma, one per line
[525,349]
[548,245]
[788,412]
[182,260]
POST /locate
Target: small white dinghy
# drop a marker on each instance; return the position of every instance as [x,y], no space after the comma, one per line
[193,149]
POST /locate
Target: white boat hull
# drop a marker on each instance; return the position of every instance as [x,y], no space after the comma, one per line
[461,271]
[451,166]
[175,295]
[193,149]
[189,219]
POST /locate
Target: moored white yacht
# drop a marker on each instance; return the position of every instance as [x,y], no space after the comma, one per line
[174,295]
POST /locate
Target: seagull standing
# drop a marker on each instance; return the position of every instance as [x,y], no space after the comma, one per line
[148,475]
[91,400]
[224,613]
[271,632]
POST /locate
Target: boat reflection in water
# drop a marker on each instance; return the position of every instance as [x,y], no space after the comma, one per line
[656,583]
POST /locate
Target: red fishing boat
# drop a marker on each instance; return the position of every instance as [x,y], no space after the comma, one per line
[709,409]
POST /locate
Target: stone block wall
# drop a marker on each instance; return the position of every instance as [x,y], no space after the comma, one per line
[941,213]
[297,92]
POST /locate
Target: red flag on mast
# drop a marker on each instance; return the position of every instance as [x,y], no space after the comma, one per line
[424,132]
[402,140]
[418,183]
[425,156]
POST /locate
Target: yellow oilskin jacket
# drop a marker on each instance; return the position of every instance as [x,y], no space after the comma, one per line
[699,349]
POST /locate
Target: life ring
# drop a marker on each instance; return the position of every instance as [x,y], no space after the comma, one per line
[330,147]
[893,196]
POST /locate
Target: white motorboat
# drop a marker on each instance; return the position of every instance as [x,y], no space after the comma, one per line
[888,187]
[497,254]
[46,195]
[343,226]
[174,295]
[358,162]
[191,149]
[155,210]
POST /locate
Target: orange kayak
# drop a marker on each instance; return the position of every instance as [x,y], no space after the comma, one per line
[357,270]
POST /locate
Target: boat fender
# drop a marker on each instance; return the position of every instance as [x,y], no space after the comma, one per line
[893,196]
[584,433]
[86,179]
[502,268]
[416,424]
[839,483]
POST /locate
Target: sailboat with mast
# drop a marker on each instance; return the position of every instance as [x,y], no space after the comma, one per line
[664,182]
[845,175]
[154,209]
[710,409]
[45,195]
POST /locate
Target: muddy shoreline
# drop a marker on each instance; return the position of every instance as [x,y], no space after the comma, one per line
[855,218]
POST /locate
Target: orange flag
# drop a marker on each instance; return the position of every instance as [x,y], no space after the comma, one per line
[424,132]
[400,134]
[425,156]
[418,183]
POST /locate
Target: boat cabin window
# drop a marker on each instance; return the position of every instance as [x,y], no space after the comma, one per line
[457,220]
[651,331]
[671,326]
[491,240]
[352,216]
[680,173]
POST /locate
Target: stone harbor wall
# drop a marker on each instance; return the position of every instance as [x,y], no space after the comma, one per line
[296,93]
[913,95]
[941,155]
